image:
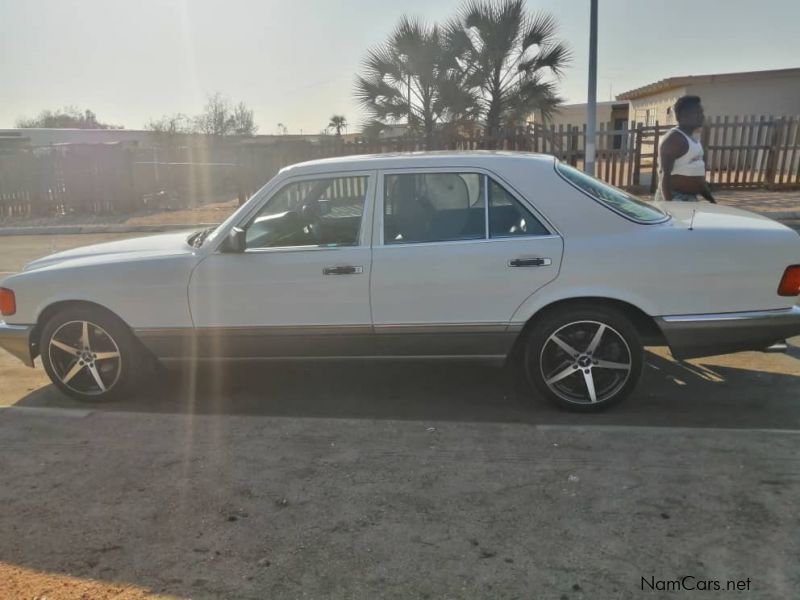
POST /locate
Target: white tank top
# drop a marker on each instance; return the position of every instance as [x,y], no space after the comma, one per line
[690,164]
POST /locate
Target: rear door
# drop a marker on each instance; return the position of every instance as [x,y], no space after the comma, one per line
[455,253]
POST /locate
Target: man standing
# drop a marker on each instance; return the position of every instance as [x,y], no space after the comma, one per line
[680,156]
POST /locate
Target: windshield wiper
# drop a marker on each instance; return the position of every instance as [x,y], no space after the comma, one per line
[196,239]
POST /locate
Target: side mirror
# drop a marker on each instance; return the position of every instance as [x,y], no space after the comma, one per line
[236,242]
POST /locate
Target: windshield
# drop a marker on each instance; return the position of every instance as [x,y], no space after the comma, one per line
[613,197]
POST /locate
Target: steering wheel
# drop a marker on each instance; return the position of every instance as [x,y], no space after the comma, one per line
[310,218]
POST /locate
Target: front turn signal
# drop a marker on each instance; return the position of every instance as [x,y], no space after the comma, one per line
[8,303]
[790,282]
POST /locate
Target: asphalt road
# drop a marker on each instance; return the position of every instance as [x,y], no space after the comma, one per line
[401,481]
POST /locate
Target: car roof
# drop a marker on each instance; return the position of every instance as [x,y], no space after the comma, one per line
[404,160]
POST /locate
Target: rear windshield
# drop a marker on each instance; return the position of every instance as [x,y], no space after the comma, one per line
[622,202]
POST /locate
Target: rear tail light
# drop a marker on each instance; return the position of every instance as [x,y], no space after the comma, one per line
[8,303]
[790,282]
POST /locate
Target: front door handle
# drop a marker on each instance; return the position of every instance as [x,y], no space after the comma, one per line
[530,262]
[343,270]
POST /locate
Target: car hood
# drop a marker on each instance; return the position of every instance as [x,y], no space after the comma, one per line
[704,215]
[154,246]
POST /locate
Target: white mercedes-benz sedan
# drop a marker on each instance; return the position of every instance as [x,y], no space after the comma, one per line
[485,255]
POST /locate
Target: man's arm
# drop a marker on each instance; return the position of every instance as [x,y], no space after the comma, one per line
[706,193]
[672,148]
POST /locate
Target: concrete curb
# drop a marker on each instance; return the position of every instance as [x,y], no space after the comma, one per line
[78,229]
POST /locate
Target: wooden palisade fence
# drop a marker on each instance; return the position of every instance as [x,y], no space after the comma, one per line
[741,152]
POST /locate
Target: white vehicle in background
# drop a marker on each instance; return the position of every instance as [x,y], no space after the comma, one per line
[489,256]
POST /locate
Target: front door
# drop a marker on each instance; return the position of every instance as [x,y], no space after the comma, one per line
[301,287]
[455,254]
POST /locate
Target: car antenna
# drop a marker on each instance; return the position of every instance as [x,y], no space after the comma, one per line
[691,223]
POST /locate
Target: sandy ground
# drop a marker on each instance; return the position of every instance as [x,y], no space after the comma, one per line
[212,212]
[397,481]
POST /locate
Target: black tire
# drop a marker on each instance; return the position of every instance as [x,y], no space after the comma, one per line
[577,325]
[74,370]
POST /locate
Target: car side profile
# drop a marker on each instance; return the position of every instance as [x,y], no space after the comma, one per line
[489,256]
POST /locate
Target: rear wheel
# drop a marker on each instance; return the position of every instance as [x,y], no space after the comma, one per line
[89,354]
[584,358]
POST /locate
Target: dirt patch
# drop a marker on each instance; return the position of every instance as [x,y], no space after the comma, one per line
[16,582]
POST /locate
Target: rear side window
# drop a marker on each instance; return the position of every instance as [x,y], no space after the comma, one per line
[507,217]
[433,207]
[615,198]
[444,207]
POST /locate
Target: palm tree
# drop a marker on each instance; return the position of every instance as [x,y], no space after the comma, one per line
[509,58]
[338,122]
[412,78]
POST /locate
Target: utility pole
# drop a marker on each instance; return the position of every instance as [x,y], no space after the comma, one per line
[591,104]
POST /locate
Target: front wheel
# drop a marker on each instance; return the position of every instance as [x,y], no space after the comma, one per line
[584,358]
[88,354]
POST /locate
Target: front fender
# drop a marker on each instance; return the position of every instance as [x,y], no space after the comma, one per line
[143,293]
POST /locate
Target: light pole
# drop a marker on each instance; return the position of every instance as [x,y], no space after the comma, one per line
[591,104]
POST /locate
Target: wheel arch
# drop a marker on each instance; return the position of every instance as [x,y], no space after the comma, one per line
[49,311]
[645,325]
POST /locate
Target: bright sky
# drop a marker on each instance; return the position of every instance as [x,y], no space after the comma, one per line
[294,61]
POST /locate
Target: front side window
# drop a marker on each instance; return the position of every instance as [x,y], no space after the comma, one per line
[433,207]
[318,212]
[615,198]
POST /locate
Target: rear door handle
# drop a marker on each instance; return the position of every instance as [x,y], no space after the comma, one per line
[343,270]
[530,262]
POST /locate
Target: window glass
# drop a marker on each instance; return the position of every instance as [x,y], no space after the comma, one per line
[507,217]
[318,212]
[433,207]
[611,196]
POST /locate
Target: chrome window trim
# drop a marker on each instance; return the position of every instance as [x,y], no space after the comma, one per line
[472,241]
[486,206]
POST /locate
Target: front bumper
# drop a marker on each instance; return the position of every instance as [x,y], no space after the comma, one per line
[690,336]
[16,339]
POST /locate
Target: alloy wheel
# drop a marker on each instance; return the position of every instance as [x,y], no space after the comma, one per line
[585,362]
[85,357]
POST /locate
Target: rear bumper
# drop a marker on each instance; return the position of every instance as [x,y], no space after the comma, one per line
[690,336]
[16,339]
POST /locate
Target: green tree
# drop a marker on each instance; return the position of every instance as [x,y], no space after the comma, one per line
[68,117]
[412,78]
[509,58]
[338,122]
